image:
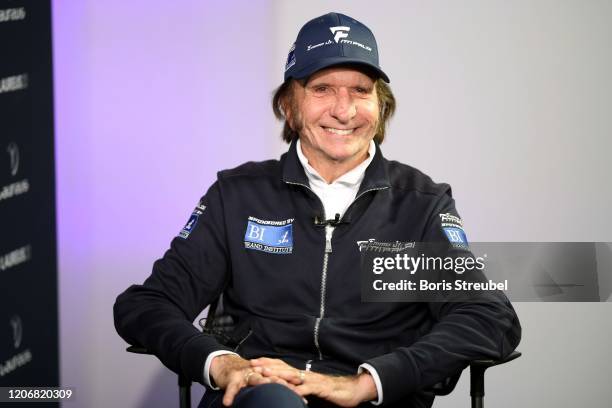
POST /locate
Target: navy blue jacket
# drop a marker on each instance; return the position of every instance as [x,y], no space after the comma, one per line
[294,296]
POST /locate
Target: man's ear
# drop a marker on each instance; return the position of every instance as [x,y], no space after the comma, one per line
[285,104]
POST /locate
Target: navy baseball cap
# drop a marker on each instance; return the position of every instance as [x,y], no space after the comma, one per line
[332,39]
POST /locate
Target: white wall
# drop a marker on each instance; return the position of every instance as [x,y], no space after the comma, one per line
[507,101]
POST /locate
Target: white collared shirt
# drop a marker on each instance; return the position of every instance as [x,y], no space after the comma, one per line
[338,195]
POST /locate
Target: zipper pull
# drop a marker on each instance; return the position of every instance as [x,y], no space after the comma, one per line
[328,247]
[328,237]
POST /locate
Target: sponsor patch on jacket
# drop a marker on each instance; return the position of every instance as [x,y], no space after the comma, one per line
[275,237]
[455,235]
[200,208]
[453,229]
[193,220]
[377,246]
[191,223]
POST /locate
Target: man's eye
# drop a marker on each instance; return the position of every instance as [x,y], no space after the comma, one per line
[361,90]
[320,88]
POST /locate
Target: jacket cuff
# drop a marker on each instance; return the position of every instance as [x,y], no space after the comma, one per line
[192,363]
[397,374]
[372,371]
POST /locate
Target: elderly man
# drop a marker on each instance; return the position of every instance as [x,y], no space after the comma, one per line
[279,240]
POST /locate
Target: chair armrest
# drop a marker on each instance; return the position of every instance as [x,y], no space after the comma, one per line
[488,362]
[138,350]
[477,369]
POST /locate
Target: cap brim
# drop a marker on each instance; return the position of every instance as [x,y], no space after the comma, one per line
[335,61]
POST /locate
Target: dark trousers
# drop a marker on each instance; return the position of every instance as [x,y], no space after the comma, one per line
[265,395]
[279,396]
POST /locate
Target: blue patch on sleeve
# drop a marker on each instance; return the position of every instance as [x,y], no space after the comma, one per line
[191,224]
[455,235]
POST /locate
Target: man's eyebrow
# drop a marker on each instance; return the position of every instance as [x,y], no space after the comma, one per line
[315,83]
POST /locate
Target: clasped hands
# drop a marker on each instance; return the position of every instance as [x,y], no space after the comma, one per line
[232,373]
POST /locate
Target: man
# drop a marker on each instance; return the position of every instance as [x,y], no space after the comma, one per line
[280,240]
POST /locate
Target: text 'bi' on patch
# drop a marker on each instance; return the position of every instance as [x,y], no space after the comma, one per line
[269,236]
[455,235]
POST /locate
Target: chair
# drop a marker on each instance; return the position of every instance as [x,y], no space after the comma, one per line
[221,323]
[183,382]
[477,371]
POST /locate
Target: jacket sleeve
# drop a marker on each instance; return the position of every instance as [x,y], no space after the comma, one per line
[158,314]
[461,332]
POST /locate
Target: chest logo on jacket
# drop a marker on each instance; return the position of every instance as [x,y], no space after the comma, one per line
[378,246]
[275,237]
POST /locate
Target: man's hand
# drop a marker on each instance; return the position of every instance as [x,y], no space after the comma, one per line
[232,373]
[346,391]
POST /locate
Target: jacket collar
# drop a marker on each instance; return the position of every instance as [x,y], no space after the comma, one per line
[375,178]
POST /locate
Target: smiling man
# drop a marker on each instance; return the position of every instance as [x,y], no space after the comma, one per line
[335,114]
[281,241]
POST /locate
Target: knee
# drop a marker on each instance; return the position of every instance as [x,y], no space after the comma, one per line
[268,395]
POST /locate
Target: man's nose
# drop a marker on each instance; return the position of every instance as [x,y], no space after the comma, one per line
[344,108]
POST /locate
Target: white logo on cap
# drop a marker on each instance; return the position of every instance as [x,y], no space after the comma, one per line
[340,32]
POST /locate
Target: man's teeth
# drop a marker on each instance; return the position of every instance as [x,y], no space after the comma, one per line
[340,131]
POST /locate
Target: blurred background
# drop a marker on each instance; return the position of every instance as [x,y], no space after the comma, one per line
[509,102]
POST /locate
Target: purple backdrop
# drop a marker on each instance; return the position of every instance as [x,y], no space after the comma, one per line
[152,98]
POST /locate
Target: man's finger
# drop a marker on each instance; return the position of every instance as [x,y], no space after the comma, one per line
[237,381]
[303,390]
[277,372]
[230,393]
[313,385]
[291,375]
[255,378]
[261,361]
[281,381]
[292,387]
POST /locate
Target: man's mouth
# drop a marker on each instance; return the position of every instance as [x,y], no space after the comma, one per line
[341,132]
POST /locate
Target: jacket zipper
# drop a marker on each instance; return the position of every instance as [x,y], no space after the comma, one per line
[329,231]
[328,249]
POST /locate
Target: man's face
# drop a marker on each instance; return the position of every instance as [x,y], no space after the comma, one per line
[335,114]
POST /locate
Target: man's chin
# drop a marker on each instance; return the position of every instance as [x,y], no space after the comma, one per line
[342,157]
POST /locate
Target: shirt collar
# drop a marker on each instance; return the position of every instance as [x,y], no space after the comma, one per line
[353,177]
[376,175]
